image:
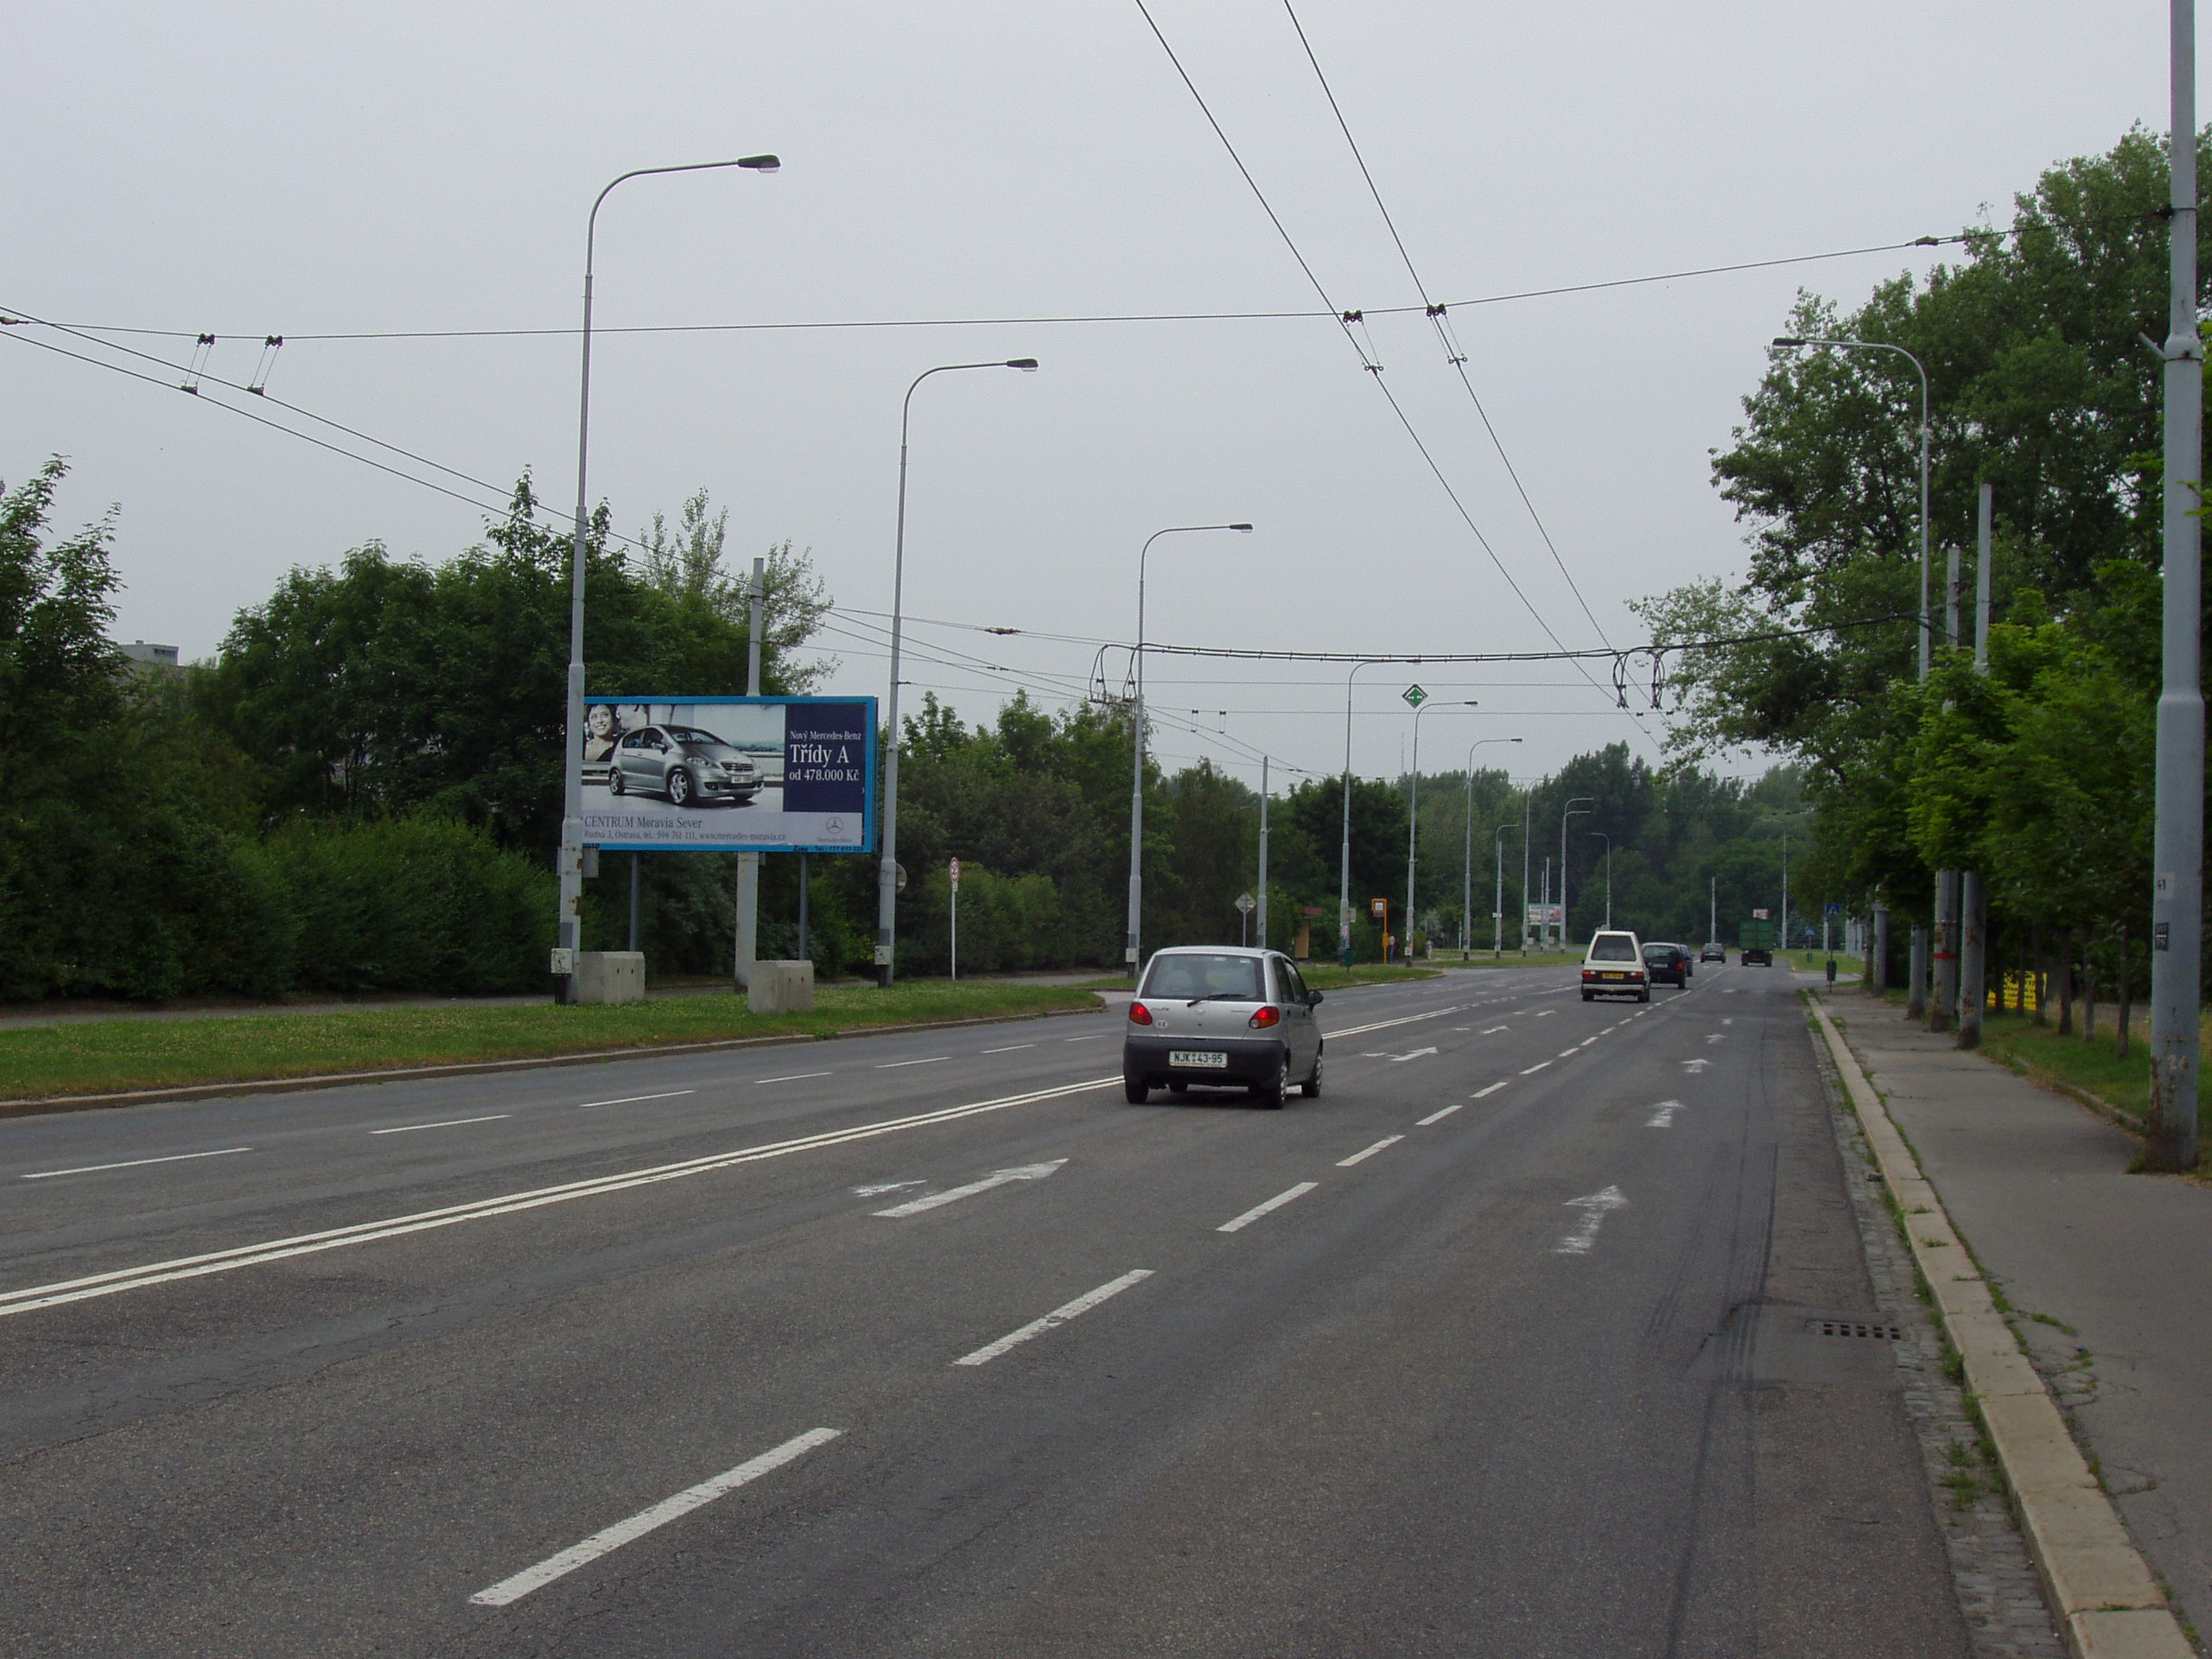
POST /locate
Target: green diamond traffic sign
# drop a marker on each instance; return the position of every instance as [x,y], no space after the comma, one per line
[1414,694]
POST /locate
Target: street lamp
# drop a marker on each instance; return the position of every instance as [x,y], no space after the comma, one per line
[1497,901]
[1136,746]
[1793,340]
[569,925]
[1344,865]
[1413,814]
[1467,869]
[1608,839]
[886,873]
[1575,809]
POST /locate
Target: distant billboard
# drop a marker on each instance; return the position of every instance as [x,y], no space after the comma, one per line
[730,774]
[1547,915]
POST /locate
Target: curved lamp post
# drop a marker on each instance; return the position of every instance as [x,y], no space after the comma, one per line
[1129,947]
[1467,870]
[567,932]
[1575,809]
[1608,839]
[1413,816]
[886,873]
[1344,863]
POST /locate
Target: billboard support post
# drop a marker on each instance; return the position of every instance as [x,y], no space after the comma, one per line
[748,864]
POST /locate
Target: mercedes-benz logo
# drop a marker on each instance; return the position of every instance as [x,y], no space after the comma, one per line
[834,826]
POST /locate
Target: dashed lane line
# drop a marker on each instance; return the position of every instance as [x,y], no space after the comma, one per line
[631,1100]
[668,1510]
[1537,1067]
[448,1123]
[1058,1316]
[1492,1089]
[892,1066]
[1259,1210]
[133,1163]
[1369,1151]
[1423,1122]
[794,1076]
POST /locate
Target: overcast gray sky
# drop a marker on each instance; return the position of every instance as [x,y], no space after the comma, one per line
[264,169]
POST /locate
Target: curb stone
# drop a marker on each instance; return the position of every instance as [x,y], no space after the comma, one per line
[2109,1604]
[36,1105]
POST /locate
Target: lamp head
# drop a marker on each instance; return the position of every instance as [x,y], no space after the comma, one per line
[1026,364]
[1247,529]
[760,164]
[1788,340]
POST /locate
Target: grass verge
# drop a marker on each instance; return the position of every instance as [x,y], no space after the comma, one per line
[113,1056]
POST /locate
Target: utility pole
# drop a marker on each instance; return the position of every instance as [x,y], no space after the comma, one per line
[748,864]
[1713,907]
[1974,898]
[1262,891]
[1944,1014]
[1527,801]
[1574,808]
[2177,850]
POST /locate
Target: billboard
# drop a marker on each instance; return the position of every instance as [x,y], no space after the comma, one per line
[730,774]
[1547,915]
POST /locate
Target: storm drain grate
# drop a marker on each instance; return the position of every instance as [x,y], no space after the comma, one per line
[1881,1329]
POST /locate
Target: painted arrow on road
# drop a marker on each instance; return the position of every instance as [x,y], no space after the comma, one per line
[1694,1066]
[1400,1059]
[1663,1116]
[1595,1208]
[997,1178]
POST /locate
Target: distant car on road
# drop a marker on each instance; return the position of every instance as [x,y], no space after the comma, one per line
[684,763]
[1614,966]
[1714,951]
[1212,1015]
[1667,964]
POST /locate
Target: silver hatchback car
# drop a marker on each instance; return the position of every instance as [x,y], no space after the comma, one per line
[1215,1015]
[684,763]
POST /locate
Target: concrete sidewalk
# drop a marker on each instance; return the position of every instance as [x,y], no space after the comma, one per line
[2038,1188]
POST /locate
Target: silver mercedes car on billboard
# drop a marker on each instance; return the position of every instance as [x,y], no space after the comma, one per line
[683,764]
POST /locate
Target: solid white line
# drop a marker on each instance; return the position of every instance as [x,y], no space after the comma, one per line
[133,1163]
[194,1267]
[1259,1210]
[1387,1141]
[1423,1122]
[1060,1315]
[631,1100]
[1433,1014]
[669,1508]
[794,1078]
[892,1066]
[1537,1067]
[1009,1048]
[449,1123]
[1492,1089]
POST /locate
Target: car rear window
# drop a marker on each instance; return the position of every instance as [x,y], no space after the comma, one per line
[1202,976]
[1613,947]
[1654,952]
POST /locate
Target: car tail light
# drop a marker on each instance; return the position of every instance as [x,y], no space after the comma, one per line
[1589,973]
[1140,1014]
[1264,1017]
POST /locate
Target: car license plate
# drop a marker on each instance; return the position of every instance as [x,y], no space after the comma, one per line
[1201,1058]
[1612,976]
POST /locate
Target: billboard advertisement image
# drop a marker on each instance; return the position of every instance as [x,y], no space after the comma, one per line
[730,774]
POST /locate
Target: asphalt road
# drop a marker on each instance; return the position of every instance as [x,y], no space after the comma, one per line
[929,1344]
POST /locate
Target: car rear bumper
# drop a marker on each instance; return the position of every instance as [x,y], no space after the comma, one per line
[1250,1059]
[1629,985]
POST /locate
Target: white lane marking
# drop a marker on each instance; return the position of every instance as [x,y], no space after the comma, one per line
[1727,1019]
[1492,1089]
[1408,1019]
[1060,1315]
[1716,1036]
[1423,1122]
[133,1163]
[1494,1030]
[892,1066]
[1695,1066]
[1400,1059]
[1387,1141]
[1664,1118]
[1545,1013]
[1094,1037]
[631,1100]
[193,1267]
[668,1510]
[871,1190]
[794,1076]
[1537,1067]
[1567,1053]
[1595,1208]
[1462,1028]
[996,1177]
[449,1123]
[1259,1210]
[1009,1048]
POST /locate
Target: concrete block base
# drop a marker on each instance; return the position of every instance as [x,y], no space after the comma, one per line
[781,987]
[610,977]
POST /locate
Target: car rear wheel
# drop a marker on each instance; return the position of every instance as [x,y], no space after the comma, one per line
[614,784]
[1134,1090]
[1312,1087]
[1589,996]
[1643,995]
[679,787]
[1271,1094]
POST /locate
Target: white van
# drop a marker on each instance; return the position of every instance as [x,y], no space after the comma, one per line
[1614,966]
